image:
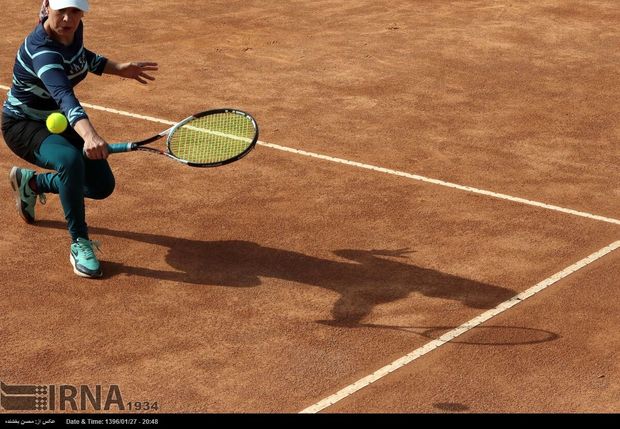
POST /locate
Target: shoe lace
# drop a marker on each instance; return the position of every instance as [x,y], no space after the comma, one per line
[86,246]
[32,194]
[42,197]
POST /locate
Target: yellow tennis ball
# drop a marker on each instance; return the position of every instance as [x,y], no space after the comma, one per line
[56,123]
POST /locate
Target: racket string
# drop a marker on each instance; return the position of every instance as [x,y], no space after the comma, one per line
[213,138]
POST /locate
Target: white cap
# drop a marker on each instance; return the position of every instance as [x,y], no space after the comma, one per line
[61,4]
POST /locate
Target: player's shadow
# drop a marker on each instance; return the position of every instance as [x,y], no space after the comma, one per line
[362,278]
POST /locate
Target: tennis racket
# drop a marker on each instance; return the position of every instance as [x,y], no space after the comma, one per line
[206,139]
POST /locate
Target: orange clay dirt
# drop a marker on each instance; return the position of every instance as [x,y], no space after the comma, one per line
[271,283]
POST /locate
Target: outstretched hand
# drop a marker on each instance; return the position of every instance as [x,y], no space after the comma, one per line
[137,71]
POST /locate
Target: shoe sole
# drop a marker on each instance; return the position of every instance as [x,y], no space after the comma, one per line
[79,273]
[18,198]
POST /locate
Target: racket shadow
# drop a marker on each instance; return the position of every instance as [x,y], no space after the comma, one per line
[493,335]
[362,278]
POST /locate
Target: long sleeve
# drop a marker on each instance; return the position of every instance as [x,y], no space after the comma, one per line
[49,67]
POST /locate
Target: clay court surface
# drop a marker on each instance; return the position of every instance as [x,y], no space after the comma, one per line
[275,282]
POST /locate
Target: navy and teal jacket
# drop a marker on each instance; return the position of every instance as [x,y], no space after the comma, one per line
[45,73]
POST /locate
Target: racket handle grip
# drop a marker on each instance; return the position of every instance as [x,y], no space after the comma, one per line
[121,147]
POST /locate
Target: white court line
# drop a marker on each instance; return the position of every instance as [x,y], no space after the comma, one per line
[383,170]
[446,184]
[449,336]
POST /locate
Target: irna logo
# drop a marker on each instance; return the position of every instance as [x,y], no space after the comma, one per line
[64,397]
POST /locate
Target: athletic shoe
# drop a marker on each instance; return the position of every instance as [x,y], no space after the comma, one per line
[83,259]
[25,197]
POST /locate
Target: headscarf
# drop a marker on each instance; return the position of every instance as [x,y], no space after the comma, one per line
[43,11]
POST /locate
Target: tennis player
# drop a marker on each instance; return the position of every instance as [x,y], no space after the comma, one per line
[51,61]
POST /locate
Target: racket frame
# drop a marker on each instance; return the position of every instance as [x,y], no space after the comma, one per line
[140,145]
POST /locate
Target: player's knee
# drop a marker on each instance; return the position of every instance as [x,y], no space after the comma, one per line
[108,187]
[105,188]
